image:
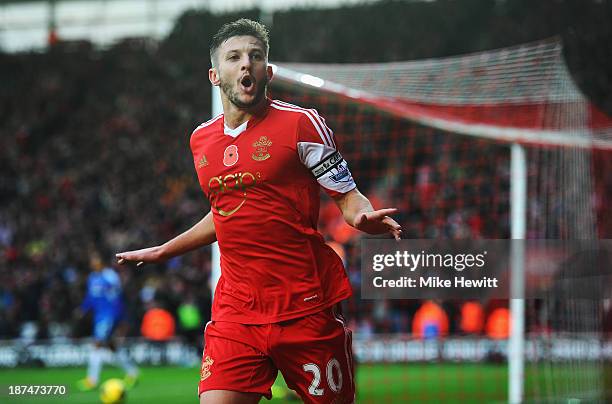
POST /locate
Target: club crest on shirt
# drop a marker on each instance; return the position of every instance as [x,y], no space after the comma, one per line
[261,149]
[230,156]
[205,371]
[203,162]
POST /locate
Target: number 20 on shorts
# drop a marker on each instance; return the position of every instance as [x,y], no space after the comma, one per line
[334,385]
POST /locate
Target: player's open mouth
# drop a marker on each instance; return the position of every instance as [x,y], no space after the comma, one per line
[247,83]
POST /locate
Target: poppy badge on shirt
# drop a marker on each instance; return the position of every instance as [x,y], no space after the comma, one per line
[230,156]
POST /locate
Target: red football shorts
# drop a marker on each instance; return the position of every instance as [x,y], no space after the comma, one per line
[313,353]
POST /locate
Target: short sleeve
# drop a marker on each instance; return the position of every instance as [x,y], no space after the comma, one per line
[318,152]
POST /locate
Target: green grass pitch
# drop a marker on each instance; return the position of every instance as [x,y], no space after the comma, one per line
[433,383]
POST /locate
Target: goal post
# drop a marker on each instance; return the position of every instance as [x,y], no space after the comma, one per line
[518,227]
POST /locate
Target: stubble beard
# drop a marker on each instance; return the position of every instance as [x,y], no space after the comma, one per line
[231,91]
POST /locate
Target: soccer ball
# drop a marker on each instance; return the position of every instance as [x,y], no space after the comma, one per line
[112,391]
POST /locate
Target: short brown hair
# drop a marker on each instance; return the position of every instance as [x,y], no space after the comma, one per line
[239,27]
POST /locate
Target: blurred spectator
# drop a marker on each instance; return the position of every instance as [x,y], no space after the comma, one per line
[158,325]
[430,321]
[472,318]
[190,321]
[498,323]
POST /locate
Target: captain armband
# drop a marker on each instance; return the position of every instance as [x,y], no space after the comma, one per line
[330,162]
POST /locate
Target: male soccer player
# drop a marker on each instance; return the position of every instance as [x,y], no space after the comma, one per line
[104,299]
[260,164]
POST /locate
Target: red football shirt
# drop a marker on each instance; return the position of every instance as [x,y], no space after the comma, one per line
[262,181]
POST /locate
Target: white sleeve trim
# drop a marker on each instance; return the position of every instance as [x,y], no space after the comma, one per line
[327,166]
[325,133]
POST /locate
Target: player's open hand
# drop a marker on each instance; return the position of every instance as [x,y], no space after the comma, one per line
[140,257]
[378,222]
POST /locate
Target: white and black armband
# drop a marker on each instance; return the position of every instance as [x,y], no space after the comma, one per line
[327,166]
[333,161]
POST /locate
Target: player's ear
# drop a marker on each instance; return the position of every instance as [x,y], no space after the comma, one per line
[213,76]
[270,71]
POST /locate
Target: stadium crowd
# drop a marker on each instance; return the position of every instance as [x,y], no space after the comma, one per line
[94,155]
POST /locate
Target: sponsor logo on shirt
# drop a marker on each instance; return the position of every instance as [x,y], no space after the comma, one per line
[237,182]
[261,149]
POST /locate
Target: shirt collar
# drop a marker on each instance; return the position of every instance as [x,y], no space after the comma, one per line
[255,119]
[236,131]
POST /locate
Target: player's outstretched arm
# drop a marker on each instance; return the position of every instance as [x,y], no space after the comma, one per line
[359,213]
[201,234]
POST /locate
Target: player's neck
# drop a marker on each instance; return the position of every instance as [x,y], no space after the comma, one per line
[234,116]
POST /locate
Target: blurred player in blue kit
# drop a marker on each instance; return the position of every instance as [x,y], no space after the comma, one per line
[104,300]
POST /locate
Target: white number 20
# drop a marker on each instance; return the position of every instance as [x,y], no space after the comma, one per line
[336,386]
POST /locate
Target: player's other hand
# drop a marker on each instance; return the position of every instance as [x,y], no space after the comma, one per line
[140,257]
[379,222]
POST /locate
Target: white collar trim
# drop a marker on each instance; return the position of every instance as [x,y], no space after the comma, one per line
[236,131]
